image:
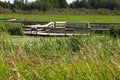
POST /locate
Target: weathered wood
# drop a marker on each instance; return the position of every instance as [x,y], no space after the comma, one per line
[100,29]
[46,30]
[56,30]
[38,27]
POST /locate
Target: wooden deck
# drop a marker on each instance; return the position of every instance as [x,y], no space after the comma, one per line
[61,28]
[65,29]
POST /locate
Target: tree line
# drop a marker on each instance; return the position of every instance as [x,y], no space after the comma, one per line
[38,4]
[96,4]
[44,5]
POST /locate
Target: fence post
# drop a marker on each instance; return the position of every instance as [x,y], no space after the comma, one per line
[54,24]
[88,25]
[36,31]
[31,30]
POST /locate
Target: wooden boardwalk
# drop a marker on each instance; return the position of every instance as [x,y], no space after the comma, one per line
[61,28]
[54,29]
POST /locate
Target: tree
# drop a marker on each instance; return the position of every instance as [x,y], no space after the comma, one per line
[8,5]
[108,4]
[16,4]
[26,2]
[63,4]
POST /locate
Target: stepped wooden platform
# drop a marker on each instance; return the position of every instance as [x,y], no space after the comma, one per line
[38,28]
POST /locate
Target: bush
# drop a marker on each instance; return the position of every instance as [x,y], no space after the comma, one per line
[115,31]
[10,28]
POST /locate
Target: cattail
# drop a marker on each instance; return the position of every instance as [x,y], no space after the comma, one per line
[118,43]
[115,63]
[37,75]
[100,45]
[110,43]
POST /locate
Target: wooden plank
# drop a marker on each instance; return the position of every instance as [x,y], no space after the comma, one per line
[69,29]
[56,30]
[26,29]
[23,26]
[33,22]
[100,29]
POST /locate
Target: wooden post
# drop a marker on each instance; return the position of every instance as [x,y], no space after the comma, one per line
[36,32]
[54,24]
[31,30]
[88,25]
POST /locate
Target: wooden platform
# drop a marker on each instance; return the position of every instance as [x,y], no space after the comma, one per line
[39,28]
[63,29]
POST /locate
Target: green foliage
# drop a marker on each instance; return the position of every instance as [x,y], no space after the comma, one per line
[115,31]
[22,58]
[96,4]
[75,43]
[42,5]
[44,58]
[73,18]
[10,28]
[46,5]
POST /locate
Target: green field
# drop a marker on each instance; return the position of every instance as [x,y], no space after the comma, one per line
[93,57]
[80,18]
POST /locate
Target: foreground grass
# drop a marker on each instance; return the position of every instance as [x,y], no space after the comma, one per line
[59,58]
[80,18]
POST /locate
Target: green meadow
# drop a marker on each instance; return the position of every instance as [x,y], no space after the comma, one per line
[80,18]
[92,57]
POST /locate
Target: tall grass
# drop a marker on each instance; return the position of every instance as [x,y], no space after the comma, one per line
[77,57]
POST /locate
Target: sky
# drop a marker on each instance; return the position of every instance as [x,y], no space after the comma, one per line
[69,1]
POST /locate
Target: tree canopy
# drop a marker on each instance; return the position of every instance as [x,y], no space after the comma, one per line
[95,4]
[44,5]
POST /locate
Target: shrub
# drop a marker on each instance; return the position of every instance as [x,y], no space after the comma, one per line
[115,31]
[10,28]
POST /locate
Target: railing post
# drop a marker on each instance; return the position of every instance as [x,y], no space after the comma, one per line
[65,28]
[31,30]
[54,24]
[88,25]
[36,31]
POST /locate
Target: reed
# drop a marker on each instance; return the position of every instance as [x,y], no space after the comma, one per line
[95,57]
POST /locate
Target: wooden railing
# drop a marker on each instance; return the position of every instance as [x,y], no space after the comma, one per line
[67,28]
[64,28]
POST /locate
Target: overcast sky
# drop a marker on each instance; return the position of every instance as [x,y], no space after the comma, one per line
[69,1]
